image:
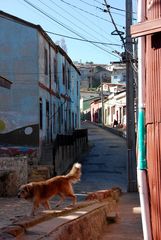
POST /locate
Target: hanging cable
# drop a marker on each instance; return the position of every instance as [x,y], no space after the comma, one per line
[65,26]
[79,39]
[88,12]
[70,20]
[116,29]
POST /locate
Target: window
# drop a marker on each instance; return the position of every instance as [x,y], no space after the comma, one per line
[63,74]
[68,78]
[45,61]
[40,112]
[54,118]
[47,114]
[55,70]
[59,123]
[77,89]
[61,113]
[47,120]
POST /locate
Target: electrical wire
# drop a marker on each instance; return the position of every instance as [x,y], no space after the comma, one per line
[118,9]
[79,39]
[78,19]
[103,9]
[72,21]
[116,29]
[74,38]
[92,14]
[65,26]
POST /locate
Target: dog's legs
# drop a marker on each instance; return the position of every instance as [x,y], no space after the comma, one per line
[46,205]
[71,194]
[33,210]
[62,198]
[74,198]
[35,206]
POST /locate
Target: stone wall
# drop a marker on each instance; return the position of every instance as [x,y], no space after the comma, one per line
[13,173]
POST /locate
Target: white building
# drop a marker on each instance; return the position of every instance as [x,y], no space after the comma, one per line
[118,73]
[44,98]
[115,109]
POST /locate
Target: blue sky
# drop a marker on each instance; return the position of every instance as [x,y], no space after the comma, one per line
[83,17]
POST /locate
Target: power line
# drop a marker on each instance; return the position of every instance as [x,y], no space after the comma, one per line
[92,14]
[91,5]
[103,9]
[118,9]
[64,26]
[117,32]
[97,2]
[71,21]
[64,16]
[116,29]
[79,39]
[82,17]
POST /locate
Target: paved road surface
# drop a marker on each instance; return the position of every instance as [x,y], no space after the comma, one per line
[104,166]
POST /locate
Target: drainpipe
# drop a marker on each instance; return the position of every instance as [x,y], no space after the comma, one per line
[142,163]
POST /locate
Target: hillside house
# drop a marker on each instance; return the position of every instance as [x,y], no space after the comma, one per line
[114,108]
[44,98]
[91,75]
[118,73]
[96,111]
[109,88]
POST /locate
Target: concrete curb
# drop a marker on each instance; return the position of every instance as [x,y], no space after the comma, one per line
[98,208]
[117,131]
[19,227]
[86,223]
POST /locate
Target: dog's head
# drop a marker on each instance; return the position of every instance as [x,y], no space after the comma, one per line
[25,191]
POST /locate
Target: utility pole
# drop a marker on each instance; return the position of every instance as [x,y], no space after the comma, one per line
[131,144]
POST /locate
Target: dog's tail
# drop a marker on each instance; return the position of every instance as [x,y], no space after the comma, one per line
[75,173]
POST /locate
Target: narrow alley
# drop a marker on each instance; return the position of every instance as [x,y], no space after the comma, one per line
[105,164]
[103,167]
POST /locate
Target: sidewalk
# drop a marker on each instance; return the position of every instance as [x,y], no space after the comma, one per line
[88,220]
[129,225]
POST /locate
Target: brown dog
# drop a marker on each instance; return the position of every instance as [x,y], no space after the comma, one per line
[41,192]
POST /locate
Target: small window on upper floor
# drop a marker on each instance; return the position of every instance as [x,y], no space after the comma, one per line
[45,61]
[40,113]
[64,76]
[55,70]
[69,79]
[77,89]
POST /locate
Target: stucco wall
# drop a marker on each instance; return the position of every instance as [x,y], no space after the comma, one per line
[18,63]
[13,173]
